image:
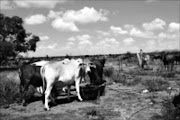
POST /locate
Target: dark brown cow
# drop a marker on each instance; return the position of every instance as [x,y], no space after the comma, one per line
[167,59]
[176,101]
[96,75]
[29,75]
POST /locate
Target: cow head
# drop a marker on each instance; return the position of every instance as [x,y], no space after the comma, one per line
[86,66]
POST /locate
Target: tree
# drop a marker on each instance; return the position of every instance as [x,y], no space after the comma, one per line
[14,38]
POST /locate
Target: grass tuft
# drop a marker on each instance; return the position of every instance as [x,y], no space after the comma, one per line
[154,85]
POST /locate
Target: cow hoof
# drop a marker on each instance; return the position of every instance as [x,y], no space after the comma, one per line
[24,104]
[46,109]
[80,99]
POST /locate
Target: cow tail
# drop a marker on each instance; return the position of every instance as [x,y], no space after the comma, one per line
[43,77]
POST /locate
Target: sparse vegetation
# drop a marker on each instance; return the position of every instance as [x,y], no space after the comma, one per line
[154,85]
[168,74]
[118,77]
[109,71]
[123,95]
[9,92]
[168,112]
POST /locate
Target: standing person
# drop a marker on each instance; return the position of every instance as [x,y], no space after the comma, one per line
[141,54]
[140,57]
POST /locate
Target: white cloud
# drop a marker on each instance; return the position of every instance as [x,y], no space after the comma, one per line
[53,14]
[128,26]
[6,5]
[154,25]
[35,19]
[62,25]
[44,38]
[118,30]
[166,36]
[37,3]
[138,33]
[65,21]
[150,1]
[85,42]
[174,27]
[106,46]
[52,46]
[71,39]
[151,45]
[107,42]
[128,41]
[83,37]
[103,33]
[80,38]
[85,15]
[70,43]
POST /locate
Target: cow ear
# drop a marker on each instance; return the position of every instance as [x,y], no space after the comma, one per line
[92,65]
[80,64]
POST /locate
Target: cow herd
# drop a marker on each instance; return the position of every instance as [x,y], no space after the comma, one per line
[44,75]
[168,60]
[47,75]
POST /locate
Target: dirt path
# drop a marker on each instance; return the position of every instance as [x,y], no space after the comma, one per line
[119,103]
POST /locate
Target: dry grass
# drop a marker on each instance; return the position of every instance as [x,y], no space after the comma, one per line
[9,90]
[168,112]
[119,77]
[154,85]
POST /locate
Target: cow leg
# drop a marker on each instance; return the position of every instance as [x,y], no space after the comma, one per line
[24,97]
[53,95]
[77,89]
[21,92]
[69,89]
[172,66]
[47,95]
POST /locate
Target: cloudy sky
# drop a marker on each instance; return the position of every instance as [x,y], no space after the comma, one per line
[79,27]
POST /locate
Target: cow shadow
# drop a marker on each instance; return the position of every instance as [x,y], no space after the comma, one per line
[34,98]
[59,100]
[89,93]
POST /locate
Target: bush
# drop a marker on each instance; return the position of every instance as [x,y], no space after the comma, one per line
[168,74]
[155,84]
[109,71]
[9,92]
[133,82]
[117,77]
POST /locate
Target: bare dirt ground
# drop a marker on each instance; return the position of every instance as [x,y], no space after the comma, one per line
[119,103]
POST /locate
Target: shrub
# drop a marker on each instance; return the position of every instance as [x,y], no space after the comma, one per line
[9,92]
[168,74]
[118,78]
[133,82]
[155,84]
[109,71]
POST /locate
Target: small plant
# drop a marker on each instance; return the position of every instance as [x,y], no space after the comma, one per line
[9,92]
[154,85]
[92,112]
[108,72]
[168,74]
[134,81]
